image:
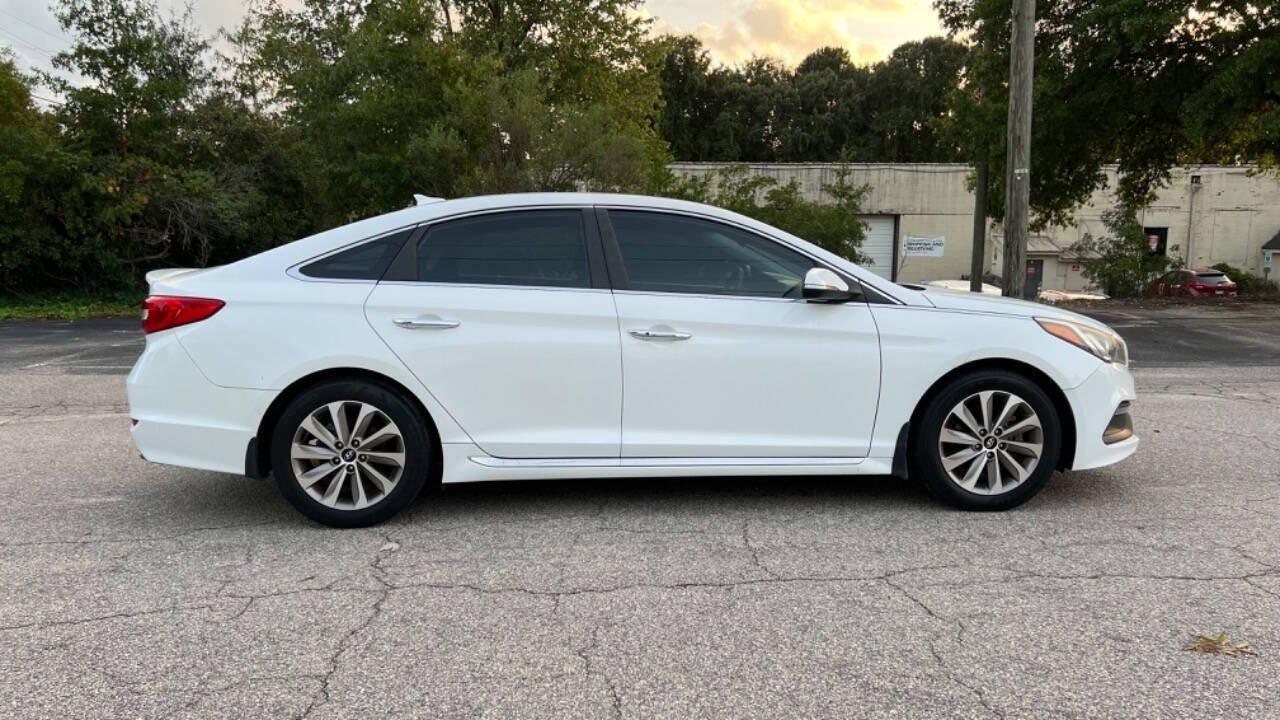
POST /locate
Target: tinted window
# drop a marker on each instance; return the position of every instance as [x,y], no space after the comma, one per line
[673,253]
[1211,278]
[366,261]
[542,248]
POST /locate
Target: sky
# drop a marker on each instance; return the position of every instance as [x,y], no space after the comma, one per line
[734,30]
[731,30]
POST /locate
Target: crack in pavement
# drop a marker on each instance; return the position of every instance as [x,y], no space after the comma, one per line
[755,553]
[585,654]
[324,696]
[956,678]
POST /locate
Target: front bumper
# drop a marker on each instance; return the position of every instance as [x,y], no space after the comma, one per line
[1094,404]
[180,418]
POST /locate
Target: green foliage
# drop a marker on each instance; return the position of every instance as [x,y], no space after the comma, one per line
[34,165]
[825,110]
[149,160]
[1247,284]
[384,100]
[832,224]
[325,111]
[70,306]
[1147,84]
[1120,263]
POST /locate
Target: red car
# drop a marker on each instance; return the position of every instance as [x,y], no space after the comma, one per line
[1201,283]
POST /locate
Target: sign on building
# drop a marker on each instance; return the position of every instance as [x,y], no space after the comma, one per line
[918,246]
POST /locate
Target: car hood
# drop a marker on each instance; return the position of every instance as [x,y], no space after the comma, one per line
[999,305]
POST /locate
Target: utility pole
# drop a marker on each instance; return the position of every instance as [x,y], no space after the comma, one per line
[978,261]
[1022,52]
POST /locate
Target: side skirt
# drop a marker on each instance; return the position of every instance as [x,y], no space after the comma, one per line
[465,462]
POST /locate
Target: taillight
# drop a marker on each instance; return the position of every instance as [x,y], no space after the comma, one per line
[161,312]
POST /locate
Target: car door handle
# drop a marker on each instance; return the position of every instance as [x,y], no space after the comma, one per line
[659,334]
[425,323]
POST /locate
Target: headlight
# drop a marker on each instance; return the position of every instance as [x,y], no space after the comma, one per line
[1102,343]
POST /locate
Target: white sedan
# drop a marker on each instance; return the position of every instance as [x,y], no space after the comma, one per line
[540,336]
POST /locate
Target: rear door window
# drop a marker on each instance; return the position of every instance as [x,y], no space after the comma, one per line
[540,248]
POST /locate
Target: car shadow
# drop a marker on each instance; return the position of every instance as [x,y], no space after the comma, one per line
[213,501]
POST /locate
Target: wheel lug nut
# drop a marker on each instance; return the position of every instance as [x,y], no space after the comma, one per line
[991,453]
[351,468]
[363,458]
[339,444]
[355,443]
[998,431]
[337,461]
[1001,446]
[977,446]
[982,433]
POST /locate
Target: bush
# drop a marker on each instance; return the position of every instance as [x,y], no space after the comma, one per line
[1121,264]
[1247,284]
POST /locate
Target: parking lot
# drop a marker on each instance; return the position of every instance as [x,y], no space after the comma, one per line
[136,590]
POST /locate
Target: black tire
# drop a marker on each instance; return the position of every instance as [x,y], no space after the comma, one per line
[408,420]
[926,461]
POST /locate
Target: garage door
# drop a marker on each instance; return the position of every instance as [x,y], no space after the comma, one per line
[878,244]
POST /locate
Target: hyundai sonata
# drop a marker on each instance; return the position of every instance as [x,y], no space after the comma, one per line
[594,335]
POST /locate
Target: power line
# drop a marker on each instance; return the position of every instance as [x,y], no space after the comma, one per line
[33,26]
[51,101]
[24,43]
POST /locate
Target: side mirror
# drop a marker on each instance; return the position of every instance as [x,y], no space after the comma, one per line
[823,286]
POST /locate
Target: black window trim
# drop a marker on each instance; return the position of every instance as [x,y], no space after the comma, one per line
[618,271]
[404,268]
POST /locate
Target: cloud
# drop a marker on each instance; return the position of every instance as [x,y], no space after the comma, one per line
[791,29]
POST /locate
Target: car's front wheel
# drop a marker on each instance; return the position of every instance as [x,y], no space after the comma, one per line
[988,441]
[350,453]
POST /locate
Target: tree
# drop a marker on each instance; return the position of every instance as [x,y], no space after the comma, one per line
[693,100]
[1147,85]
[34,168]
[149,129]
[827,109]
[911,93]
[832,108]
[391,98]
[1121,263]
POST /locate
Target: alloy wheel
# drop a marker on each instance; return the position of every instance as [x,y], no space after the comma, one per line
[991,442]
[348,455]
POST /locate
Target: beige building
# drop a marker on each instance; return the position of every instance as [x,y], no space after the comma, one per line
[919,219]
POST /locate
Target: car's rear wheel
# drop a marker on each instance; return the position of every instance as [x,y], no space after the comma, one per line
[988,441]
[350,453]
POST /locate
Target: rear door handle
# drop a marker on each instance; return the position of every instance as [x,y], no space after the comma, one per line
[425,322]
[659,333]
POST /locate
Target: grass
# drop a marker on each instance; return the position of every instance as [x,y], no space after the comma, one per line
[69,305]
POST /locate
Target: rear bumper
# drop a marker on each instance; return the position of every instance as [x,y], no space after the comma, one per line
[183,419]
[1094,403]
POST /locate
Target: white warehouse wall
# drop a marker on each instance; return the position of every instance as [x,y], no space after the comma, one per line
[1235,212]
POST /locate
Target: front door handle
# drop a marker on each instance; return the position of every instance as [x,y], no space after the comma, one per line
[660,332]
[425,322]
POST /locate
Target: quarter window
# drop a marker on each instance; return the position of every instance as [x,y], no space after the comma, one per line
[366,261]
[544,248]
[679,254]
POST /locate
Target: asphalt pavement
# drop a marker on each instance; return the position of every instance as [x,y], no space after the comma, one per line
[136,590]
